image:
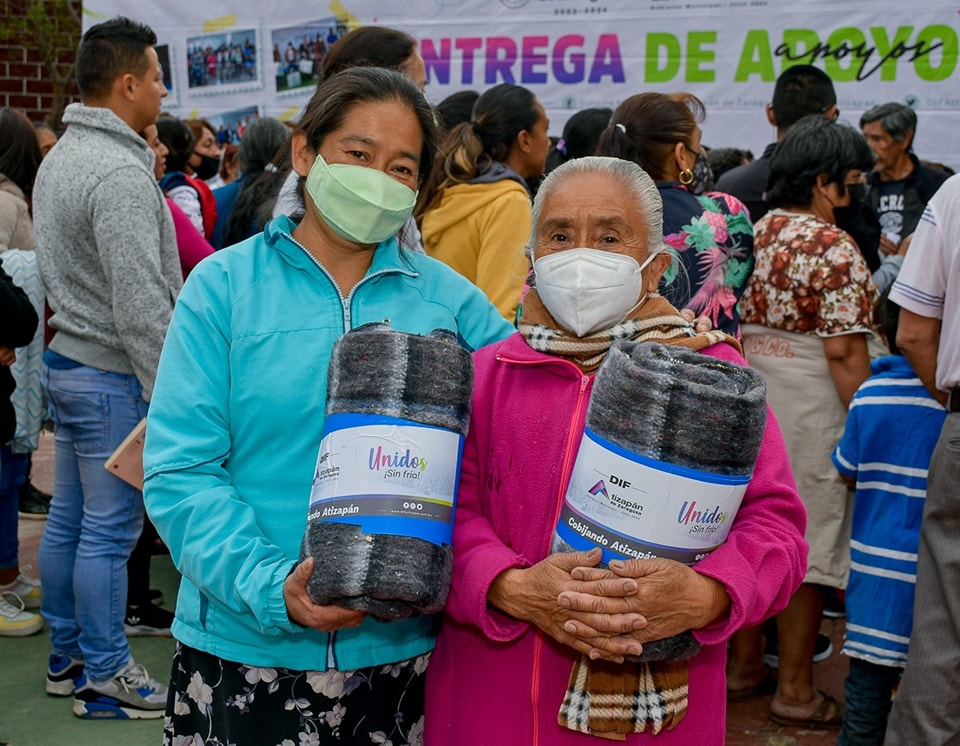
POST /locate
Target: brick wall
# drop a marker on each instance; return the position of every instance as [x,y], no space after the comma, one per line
[25,78]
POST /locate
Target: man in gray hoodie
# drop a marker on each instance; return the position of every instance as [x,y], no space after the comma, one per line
[107,253]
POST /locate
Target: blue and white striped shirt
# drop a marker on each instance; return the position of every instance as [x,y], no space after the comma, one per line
[892,428]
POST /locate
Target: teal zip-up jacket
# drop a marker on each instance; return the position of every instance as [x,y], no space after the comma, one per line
[235,424]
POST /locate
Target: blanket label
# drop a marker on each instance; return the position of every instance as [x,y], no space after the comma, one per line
[388,476]
[634,507]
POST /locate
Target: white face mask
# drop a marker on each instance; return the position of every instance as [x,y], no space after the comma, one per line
[586,290]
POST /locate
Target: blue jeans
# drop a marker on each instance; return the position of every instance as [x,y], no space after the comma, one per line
[13,473]
[95,517]
[868,689]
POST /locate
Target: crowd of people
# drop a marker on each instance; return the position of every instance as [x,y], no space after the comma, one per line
[224,63]
[143,279]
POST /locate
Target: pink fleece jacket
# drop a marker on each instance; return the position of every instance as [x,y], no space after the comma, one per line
[496,680]
[191,244]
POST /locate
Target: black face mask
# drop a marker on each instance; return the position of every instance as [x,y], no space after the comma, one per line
[858,193]
[208,168]
[702,176]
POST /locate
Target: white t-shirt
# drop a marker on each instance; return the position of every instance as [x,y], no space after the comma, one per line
[929,281]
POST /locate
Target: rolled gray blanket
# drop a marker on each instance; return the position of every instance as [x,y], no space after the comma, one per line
[381,517]
[684,415]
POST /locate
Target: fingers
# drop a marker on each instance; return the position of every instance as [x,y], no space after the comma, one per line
[610,648]
[594,652]
[703,324]
[301,575]
[590,573]
[567,561]
[597,595]
[589,626]
[302,610]
[641,568]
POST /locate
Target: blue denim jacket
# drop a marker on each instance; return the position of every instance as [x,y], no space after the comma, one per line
[235,423]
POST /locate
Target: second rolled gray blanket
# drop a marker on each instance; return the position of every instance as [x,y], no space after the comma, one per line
[682,409]
[377,374]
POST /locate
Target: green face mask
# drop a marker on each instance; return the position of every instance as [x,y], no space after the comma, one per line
[360,204]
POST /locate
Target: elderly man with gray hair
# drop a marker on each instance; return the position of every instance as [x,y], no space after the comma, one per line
[899,187]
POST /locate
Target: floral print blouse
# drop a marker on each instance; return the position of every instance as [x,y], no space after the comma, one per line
[712,236]
[810,278]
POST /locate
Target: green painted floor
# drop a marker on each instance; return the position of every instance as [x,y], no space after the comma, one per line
[31,717]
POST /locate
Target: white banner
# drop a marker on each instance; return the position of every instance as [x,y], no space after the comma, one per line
[228,61]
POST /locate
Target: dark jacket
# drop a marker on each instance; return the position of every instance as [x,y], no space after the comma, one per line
[18,323]
[919,186]
[748,183]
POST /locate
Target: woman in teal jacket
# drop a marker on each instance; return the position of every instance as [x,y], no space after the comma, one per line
[236,420]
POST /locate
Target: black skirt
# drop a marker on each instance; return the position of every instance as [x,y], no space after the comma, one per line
[216,702]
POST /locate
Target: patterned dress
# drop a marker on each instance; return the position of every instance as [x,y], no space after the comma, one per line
[712,236]
[810,282]
[221,703]
[809,278]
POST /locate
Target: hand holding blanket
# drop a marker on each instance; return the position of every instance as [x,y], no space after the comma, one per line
[406,388]
[693,415]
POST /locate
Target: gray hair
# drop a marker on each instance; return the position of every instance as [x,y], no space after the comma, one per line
[896,120]
[635,181]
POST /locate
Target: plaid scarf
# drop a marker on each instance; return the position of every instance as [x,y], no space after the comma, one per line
[654,321]
[605,699]
[610,700]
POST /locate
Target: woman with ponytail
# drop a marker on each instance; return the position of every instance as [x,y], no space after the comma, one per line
[710,232]
[475,216]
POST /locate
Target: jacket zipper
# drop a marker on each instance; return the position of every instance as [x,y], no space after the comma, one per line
[345,303]
[568,456]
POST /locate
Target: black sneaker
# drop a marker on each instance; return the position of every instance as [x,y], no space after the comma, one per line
[156,596]
[62,673]
[34,504]
[147,620]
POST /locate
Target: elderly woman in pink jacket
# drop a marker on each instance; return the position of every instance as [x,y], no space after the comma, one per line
[539,646]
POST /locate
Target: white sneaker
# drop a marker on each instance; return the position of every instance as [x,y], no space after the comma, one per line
[130,694]
[27,588]
[14,621]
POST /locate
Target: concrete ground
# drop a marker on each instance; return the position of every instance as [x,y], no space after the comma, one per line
[29,717]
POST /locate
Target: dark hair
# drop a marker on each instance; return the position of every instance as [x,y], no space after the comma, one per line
[722,160]
[580,136]
[109,50]
[469,149]
[197,126]
[178,138]
[888,316]
[260,144]
[19,152]
[814,146]
[368,46]
[455,109]
[334,98]
[652,125]
[896,119]
[800,91]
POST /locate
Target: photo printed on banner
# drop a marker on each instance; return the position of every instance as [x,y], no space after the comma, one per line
[298,53]
[167,56]
[223,62]
[230,126]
